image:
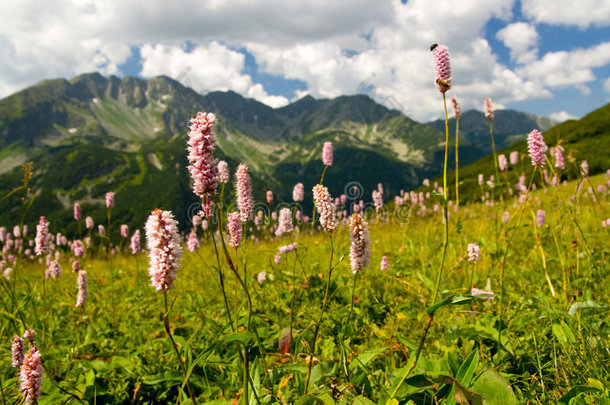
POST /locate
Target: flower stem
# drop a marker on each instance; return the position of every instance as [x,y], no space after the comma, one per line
[324,302]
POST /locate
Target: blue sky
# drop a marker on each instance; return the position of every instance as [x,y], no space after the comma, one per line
[548,57]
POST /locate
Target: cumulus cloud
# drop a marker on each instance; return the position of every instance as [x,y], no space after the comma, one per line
[573,68]
[205,68]
[583,13]
[562,116]
[522,39]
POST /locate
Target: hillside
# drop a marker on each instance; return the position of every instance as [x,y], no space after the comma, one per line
[92,134]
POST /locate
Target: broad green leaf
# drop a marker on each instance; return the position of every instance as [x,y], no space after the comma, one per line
[563,333]
[237,337]
[493,387]
[576,391]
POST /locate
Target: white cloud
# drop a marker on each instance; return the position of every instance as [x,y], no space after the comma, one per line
[522,40]
[562,116]
[573,68]
[205,69]
[339,47]
[581,13]
[607,85]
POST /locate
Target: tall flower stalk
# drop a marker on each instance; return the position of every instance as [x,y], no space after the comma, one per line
[328,221]
[163,243]
[457,113]
[442,67]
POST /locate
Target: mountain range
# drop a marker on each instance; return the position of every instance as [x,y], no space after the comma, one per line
[93,134]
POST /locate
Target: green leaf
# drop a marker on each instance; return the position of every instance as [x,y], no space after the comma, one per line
[563,333]
[494,388]
[309,399]
[451,300]
[169,376]
[237,337]
[468,368]
[576,391]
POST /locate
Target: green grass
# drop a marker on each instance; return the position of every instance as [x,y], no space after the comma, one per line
[115,350]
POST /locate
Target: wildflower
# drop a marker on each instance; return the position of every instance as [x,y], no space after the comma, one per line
[101,229]
[125,231]
[235,231]
[164,245]
[269,197]
[31,375]
[327,154]
[78,248]
[474,252]
[193,243]
[324,205]
[89,223]
[560,161]
[486,292]
[360,250]
[606,223]
[285,222]
[481,179]
[244,194]
[75,266]
[287,248]
[540,214]
[298,192]
[223,171]
[196,220]
[502,162]
[29,335]
[81,297]
[442,68]
[54,270]
[109,199]
[42,237]
[457,111]
[377,200]
[384,263]
[77,212]
[536,148]
[426,183]
[277,259]
[489,113]
[17,351]
[7,273]
[514,157]
[584,168]
[262,276]
[135,242]
[200,148]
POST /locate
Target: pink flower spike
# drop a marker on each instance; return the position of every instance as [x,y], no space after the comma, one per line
[223,172]
[109,199]
[244,194]
[81,297]
[135,242]
[285,222]
[193,243]
[360,250]
[327,154]
[536,148]
[560,162]
[457,111]
[298,192]
[489,112]
[474,252]
[31,376]
[42,237]
[514,157]
[442,68]
[77,212]
[235,231]
[325,207]
[384,263]
[201,144]
[17,351]
[540,215]
[502,162]
[584,168]
[262,276]
[269,197]
[163,243]
[89,223]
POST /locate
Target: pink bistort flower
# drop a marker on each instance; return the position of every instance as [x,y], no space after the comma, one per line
[298,192]
[244,194]
[77,212]
[514,157]
[442,68]
[109,199]
[163,243]
[81,297]
[202,164]
[17,351]
[193,243]
[536,148]
[235,231]
[31,376]
[489,112]
[325,207]
[42,237]
[223,171]
[78,248]
[360,249]
[327,154]
[285,222]
[474,252]
[502,162]
[457,111]
[384,263]
[540,215]
[134,244]
[89,223]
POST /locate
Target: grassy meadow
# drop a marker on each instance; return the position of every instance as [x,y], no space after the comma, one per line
[553,346]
